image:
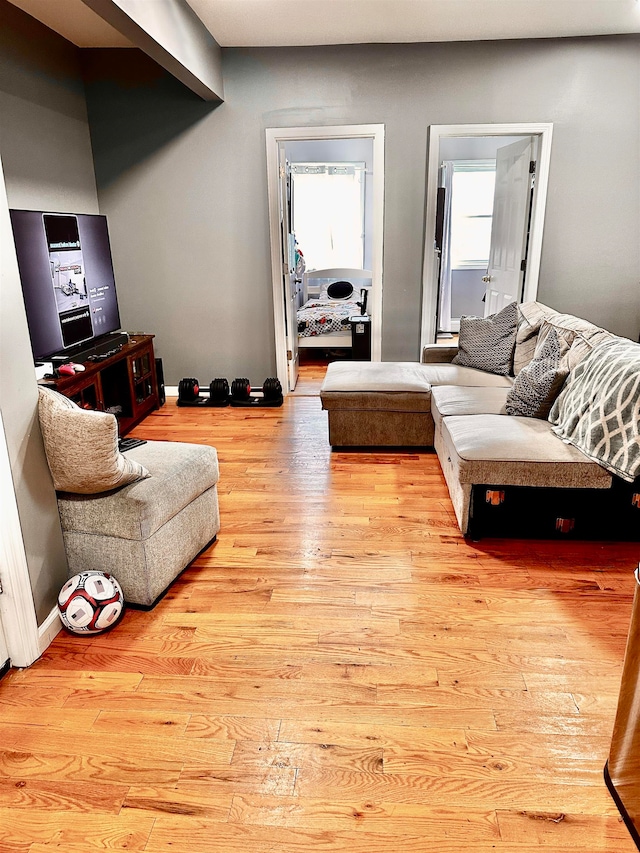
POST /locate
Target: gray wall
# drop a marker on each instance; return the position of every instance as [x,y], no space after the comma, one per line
[189,219]
[47,160]
[44,138]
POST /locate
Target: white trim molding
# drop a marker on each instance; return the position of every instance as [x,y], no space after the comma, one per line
[17,611]
[278,135]
[49,630]
[543,132]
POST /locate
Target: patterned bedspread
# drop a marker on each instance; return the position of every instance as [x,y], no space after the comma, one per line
[316,317]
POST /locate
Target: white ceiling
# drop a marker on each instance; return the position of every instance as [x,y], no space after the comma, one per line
[270,23]
[244,23]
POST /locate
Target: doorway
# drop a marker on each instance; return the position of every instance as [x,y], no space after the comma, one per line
[466,277]
[339,151]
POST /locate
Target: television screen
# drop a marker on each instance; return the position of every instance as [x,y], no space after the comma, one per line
[67,279]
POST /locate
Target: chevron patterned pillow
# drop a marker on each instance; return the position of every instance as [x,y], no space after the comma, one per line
[537,385]
[487,343]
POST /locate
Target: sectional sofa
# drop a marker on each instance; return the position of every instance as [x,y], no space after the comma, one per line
[510,473]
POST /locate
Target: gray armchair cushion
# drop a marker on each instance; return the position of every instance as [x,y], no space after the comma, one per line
[180,472]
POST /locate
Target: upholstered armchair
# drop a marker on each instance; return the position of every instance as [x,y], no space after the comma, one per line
[142,515]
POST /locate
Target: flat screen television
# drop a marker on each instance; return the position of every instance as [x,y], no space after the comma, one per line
[67,280]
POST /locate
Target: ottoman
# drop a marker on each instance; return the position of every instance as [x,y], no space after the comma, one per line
[377,403]
[388,403]
[146,533]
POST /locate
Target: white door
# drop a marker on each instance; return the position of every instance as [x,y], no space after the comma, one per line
[290,280]
[511,206]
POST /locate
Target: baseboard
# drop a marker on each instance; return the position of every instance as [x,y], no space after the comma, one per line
[171,390]
[49,630]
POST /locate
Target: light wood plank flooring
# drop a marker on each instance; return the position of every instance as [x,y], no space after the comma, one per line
[341,671]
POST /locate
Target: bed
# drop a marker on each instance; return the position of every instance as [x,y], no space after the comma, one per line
[323,318]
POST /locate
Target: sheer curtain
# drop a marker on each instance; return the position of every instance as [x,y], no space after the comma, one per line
[444,306]
[328,215]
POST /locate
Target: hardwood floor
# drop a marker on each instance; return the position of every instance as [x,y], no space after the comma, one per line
[341,671]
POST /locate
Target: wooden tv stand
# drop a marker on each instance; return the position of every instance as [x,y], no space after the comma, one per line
[124,384]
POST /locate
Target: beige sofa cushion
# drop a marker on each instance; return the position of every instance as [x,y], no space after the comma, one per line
[516,451]
[455,374]
[396,386]
[581,334]
[448,400]
[394,376]
[531,316]
[403,377]
[82,447]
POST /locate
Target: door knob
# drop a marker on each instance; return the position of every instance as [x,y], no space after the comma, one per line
[486,278]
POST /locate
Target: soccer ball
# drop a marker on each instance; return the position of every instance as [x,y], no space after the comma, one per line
[90,602]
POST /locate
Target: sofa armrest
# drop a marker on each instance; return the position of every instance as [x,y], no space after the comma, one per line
[433,353]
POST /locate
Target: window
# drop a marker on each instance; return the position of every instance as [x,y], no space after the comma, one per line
[328,213]
[471,213]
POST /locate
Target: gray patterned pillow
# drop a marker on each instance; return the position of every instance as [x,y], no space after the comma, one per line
[538,384]
[82,447]
[487,343]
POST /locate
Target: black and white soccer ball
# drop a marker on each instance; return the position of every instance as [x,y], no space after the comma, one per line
[90,602]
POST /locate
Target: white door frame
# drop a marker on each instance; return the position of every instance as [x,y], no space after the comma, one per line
[25,641]
[17,610]
[543,131]
[277,135]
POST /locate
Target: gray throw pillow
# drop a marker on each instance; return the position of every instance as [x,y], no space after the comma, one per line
[82,447]
[538,384]
[487,343]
